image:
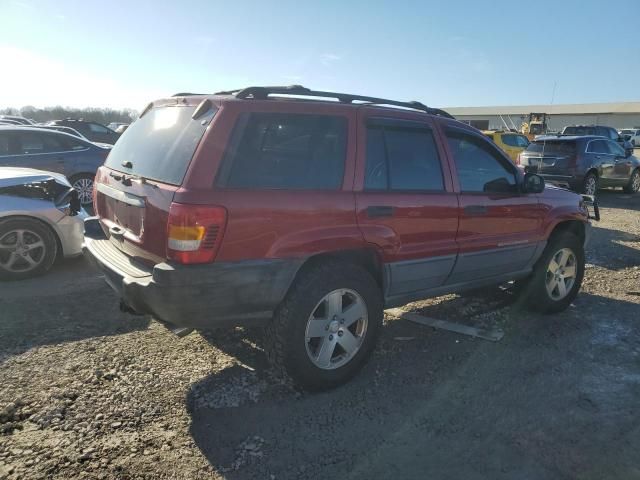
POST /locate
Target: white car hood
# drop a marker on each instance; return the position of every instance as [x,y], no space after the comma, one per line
[10,176]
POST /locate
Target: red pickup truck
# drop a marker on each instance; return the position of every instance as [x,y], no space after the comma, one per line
[310,212]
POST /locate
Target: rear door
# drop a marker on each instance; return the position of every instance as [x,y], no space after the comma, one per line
[500,229]
[40,150]
[405,202]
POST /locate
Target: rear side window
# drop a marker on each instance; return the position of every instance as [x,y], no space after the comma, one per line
[553,147]
[597,146]
[402,159]
[4,144]
[286,151]
[96,128]
[33,143]
[160,145]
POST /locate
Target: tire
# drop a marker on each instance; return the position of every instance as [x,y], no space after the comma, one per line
[590,184]
[292,345]
[36,248]
[83,183]
[634,182]
[537,294]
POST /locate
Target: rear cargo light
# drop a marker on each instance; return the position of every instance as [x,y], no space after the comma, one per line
[194,232]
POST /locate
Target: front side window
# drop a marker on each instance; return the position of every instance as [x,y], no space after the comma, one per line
[4,144]
[523,141]
[480,167]
[510,140]
[402,159]
[30,143]
[286,151]
[615,149]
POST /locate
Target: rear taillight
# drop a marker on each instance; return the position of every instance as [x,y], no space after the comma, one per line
[194,232]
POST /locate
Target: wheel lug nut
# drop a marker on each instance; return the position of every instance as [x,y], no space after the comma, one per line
[340,333]
[330,337]
[342,320]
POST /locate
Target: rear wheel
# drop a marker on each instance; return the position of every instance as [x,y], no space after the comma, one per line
[590,184]
[634,182]
[557,276]
[27,248]
[326,327]
[83,184]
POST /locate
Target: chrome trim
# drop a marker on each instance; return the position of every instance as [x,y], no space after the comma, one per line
[121,196]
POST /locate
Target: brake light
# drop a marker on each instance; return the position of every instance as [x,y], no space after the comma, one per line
[194,232]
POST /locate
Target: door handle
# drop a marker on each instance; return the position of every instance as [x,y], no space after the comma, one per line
[376,211]
[475,210]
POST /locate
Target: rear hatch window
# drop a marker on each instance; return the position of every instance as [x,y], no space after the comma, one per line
[552,147]
[159,145]
[579,131]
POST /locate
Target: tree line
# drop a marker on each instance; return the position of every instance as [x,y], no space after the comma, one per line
[100,115]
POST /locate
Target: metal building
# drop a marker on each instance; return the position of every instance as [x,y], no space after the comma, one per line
[618,115]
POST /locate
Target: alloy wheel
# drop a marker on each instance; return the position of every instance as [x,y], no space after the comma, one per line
[336,329]
[21,251]
[635,182]
[561,274]
[84,187]
[590,185]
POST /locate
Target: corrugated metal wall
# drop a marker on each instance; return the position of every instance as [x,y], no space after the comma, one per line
[557,122]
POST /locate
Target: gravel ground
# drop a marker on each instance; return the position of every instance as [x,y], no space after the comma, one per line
[88,392]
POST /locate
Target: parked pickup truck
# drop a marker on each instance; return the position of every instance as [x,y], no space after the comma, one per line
[310,216]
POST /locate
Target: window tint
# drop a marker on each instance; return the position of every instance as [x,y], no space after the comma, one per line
[286,151]
[522,141]
[30,143]
[598,146]
[4,144]
[481,168]
[510,140]
[615,149]
[402,159]
[613,134]
[580,131]
[160,144]
[563,147]
[96,128]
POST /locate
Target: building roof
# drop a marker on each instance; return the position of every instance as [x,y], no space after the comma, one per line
[562,109]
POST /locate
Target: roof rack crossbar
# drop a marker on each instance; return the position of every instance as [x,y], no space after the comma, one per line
[298,90]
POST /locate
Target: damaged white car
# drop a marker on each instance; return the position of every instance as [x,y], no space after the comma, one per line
[41,219]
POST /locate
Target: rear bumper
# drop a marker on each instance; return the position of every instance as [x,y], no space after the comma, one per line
[194,296]
[571,182]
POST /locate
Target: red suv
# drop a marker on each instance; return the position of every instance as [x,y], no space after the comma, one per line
[311,216]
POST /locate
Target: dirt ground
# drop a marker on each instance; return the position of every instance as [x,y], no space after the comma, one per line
[88,392]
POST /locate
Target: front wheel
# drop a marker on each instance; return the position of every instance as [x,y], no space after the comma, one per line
[325,329]
[557,276]
[634,183]
[590,184]
[27,248]
[83,184]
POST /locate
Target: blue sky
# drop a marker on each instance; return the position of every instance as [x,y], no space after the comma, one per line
[458,53]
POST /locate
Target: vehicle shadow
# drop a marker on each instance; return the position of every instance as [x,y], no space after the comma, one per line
[613,249]
[68,304]
[610,198]
[439,405]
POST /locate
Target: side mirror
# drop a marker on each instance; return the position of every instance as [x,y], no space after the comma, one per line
[533,183]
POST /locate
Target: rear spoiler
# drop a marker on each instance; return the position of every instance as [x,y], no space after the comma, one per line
[590,201]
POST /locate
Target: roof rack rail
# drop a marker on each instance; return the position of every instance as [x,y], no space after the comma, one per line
[298,90]
[187,94]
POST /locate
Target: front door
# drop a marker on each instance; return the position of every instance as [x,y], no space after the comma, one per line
[603,160]
[500,228]
[621,164]
[405,203]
